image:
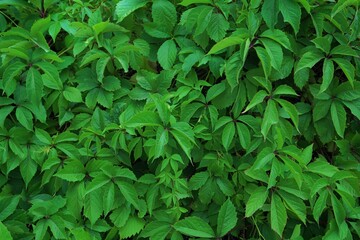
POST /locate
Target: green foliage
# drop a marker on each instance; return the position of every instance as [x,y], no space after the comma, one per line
[179,119]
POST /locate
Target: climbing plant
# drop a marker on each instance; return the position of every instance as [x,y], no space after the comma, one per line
[179,119]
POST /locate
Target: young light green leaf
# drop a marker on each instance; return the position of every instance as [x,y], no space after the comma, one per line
[167,54]
[278,216]
[227,218]
[194,227]
[338,116]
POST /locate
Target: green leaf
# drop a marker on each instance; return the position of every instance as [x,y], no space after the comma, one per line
[225,43]
[274,51]
[347,68]
[72,94]
[269,12]
[284,90]
[129,192]
[328,75]
[120,216]
[338,209]
[278,216]
[194,227]
[164,13]
[265,60]
[228,135]
[323,43]
[167,54]
[227,218]
[156,230]
[256,200]
[8,80]
[308,60]
[101,66]
[320,205]
[342,4]
[217,27]
[145,118]
[198,180]
[133,226]
[244,135]
[338,116]
[73,171]
[271,117]
[125,7]
[257,99]
[34,86]
[215,91]
[4,112]
[189,2]
[291,110]
[204,14]
[294,204]
[344,50]
[5,234]
[8,206]
[24,116]
[277,36]
[291,12]
[93,206]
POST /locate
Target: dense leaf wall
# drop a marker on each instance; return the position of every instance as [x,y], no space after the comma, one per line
[170,119]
